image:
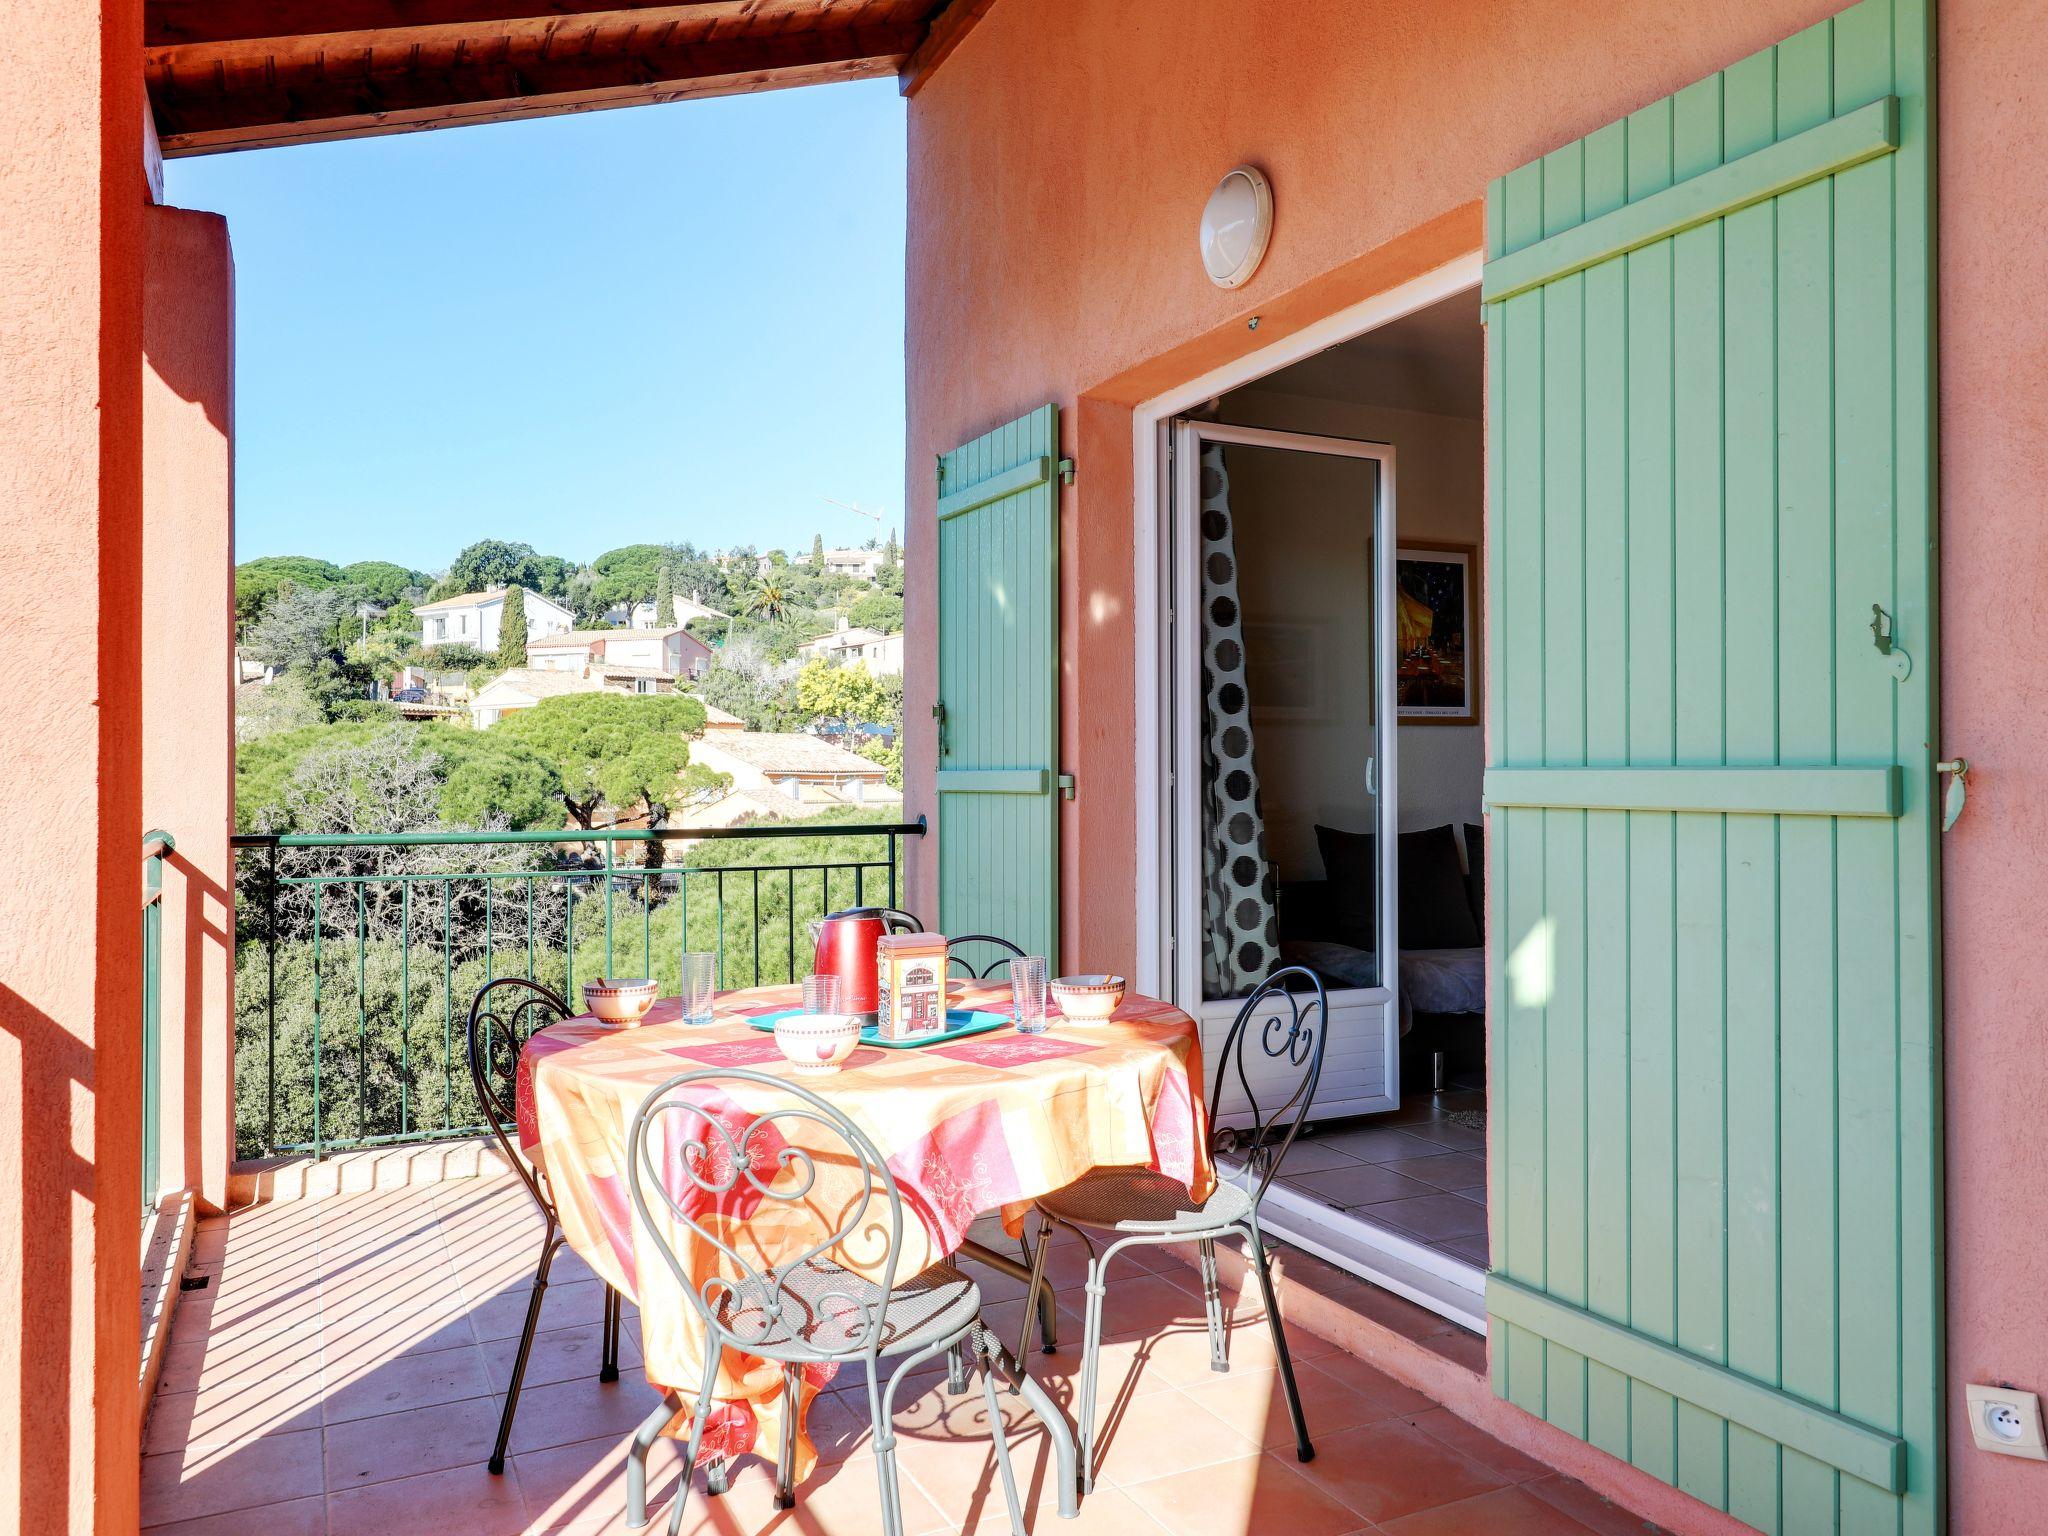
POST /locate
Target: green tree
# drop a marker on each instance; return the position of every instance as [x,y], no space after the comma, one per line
[879,611]
[383,583]
[479,779]
[769,598]
[512,629]
[664,594]
[301,626]
[849,696]
[497,563]
[817,551]
[614,749]
[258,581]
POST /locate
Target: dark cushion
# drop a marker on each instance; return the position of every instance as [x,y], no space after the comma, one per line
[1436,912]
[1352,876]
[1475,874]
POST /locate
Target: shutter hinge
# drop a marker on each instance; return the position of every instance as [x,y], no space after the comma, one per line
[1066,786]
[1067,471]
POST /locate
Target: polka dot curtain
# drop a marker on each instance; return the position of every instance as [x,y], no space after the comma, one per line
[1243,928]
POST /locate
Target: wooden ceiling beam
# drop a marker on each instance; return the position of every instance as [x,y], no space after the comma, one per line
[945,33]
[250,25]
[201,117]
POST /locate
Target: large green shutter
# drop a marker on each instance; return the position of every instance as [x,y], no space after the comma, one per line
[999,728]
[1716,1174]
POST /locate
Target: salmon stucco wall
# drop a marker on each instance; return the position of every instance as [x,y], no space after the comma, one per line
[188,745]
[1058,164]
[71,204]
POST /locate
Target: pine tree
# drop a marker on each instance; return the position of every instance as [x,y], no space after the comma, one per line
[664,595]
[892,553]
[512,629]
[817,551]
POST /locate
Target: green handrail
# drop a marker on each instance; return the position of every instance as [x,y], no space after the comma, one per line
[335,913]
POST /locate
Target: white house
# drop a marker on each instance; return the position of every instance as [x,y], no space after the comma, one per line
[665,654]
[863,563]
[645,615]
[472,619]
[519,688]
[882,654]
[777,766]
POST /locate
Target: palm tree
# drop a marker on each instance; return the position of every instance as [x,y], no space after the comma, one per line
[769,599]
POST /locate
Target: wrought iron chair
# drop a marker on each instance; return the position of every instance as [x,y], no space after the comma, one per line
[1008,952]
[1140,1206]
[807,1309]
[503,1016]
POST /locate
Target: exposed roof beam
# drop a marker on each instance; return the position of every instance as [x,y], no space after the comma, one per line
[200,117]
[251,24]
[940,39]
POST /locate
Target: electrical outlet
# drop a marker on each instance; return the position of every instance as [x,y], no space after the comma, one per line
[2006,1421]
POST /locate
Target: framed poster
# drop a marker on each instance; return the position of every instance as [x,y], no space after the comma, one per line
[1436,634]
[1287,668]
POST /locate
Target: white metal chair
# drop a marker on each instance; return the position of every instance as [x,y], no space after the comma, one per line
[808,1308]
[1136,1205]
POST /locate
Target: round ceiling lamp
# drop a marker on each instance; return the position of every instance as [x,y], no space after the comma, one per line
[1237,221]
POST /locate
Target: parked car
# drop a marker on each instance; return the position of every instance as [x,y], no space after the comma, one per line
[410,696]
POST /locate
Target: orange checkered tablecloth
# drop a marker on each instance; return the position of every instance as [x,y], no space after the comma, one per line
[986,1123]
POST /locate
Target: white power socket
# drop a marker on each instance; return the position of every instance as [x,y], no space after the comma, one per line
[2006,1421]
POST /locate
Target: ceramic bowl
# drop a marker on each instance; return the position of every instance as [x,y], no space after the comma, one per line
[817,1042]
[619,1000]
[1090,999]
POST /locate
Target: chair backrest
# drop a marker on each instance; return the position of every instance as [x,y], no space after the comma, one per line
[715,1148]
[503,1016]
[1288,1019]
[1008,953]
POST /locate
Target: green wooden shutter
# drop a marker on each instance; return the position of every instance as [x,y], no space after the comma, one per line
[1716,1174]
[999,728]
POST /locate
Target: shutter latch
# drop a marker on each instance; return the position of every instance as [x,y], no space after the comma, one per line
[1066,786]
[1882,636]
[1066,471]
[1958,769]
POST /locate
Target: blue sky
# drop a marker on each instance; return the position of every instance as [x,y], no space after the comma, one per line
[661,323]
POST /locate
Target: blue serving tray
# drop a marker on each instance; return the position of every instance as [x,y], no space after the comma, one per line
[961,1022]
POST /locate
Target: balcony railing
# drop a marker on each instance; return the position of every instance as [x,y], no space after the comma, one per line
[358,954]
[156,847]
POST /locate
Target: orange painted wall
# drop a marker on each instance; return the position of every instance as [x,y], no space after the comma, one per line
[71,203]
[1058,163]
[188,745]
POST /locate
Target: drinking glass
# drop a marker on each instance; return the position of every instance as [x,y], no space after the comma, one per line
[821,994]
[1027,993]
[700,986]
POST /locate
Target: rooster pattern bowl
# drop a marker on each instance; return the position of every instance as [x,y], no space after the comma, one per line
[817,1042]
[1090,999]
[618,1001]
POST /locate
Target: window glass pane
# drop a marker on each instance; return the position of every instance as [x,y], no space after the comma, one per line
[1290,857]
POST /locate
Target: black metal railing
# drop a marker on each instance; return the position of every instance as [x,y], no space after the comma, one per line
[357,954]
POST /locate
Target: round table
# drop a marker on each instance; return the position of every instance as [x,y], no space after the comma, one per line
[985,1123]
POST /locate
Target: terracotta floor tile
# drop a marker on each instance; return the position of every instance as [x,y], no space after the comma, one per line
[1360,1184]
[268,1365]
[503,1316]
[1253,1495]
[395,1445]
[1377,1144]
[574,1353]
[1387,1470]
[1255,1405]
[1389,1397]
[1508,1512]
[944,1443]
[354,1345]
[1455,1344]
[410,1381]
[295,1517]
[227,1409]
[564,1412]
[1428,1216]
[584,1485]
[1475,1250]
[463,1501]
[1159,1434]
[1314,1156]
[187,1484]
[1455,1171]
[1446,1134]
[1599,1515]
[1469,1440]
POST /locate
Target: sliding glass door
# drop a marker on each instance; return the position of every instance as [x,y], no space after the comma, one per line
[1283,778]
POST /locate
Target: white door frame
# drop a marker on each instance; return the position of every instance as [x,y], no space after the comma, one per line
[1150,579]
[1420,1273]
[1351,1008]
